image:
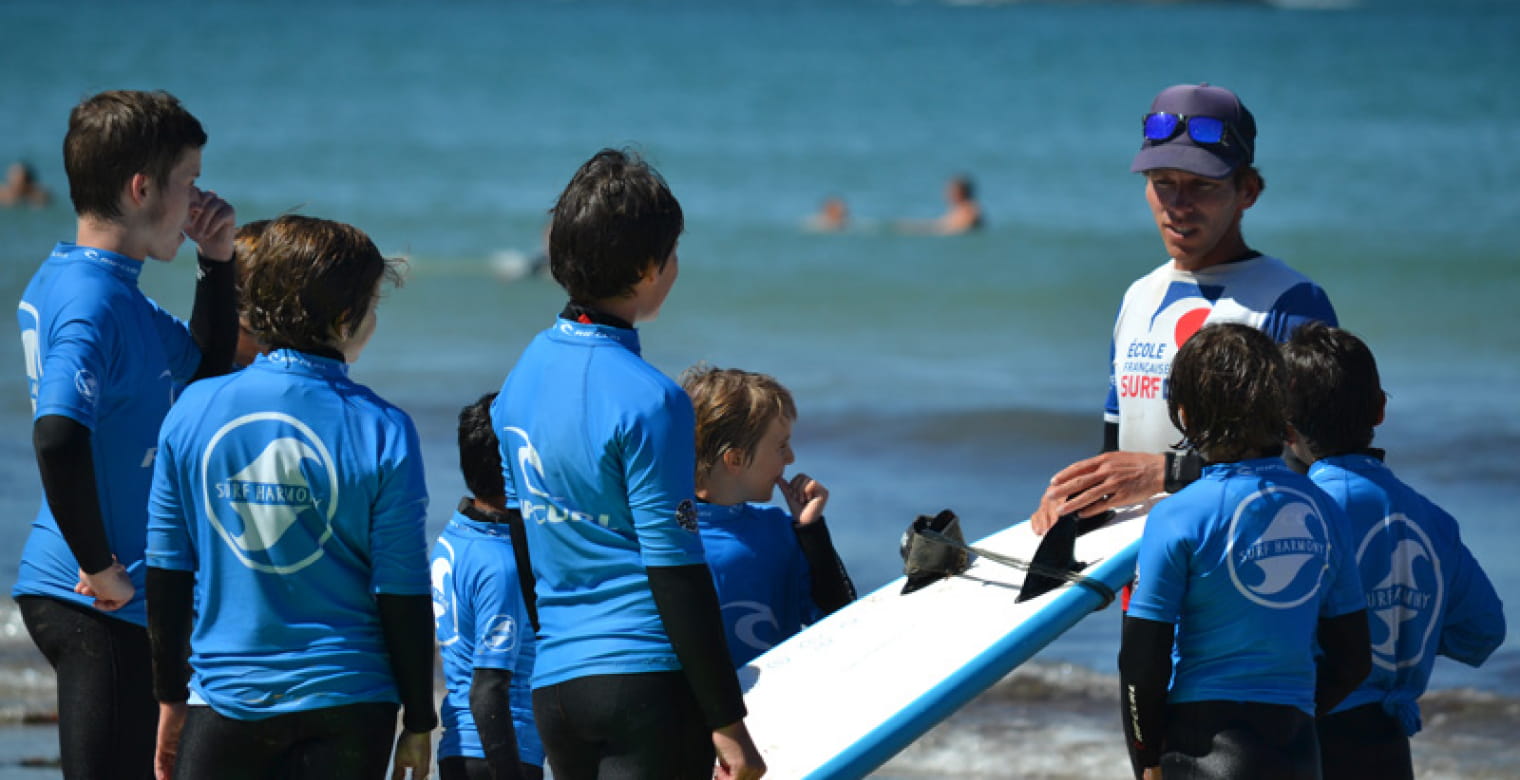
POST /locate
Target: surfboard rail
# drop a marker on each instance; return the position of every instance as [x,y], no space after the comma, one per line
[841,698]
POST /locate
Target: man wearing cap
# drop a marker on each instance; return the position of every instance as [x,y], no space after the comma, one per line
[1197,157]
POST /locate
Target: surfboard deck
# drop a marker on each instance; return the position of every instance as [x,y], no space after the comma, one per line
[841,698]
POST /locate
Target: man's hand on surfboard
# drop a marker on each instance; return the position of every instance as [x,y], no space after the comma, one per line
[805,497]
[1098,484]
[738,758]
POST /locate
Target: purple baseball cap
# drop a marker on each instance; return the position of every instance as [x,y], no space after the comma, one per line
[1183,153]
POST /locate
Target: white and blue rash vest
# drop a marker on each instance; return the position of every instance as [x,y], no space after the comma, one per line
[1245,562]
[1164,308]
[1426,594]
[763,580]
[598,449]
[101,353]
[296,496]
[481,622]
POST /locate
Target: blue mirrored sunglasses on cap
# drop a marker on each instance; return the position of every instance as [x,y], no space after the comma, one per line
[1162,126]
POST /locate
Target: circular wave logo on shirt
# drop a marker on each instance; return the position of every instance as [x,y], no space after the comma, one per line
[500,634]
[271,490]
[750,620]
[1283,566]
[86,385]
[1407,592]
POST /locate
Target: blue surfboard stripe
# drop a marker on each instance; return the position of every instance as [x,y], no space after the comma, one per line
[1068,607]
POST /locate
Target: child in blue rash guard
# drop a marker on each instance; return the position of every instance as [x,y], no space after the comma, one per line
[485,634]
[286,541]
[1237,575]
[1426,594]
[632,677]
[103,365]
[775,570]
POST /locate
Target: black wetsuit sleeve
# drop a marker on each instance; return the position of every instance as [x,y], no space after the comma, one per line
[213,318]
[1182,469]
[407,622]
[1145,671]
[1110,436]
[1347,643]
[68,480]
[688,605]
[490,704]
[831,588]
[171,594]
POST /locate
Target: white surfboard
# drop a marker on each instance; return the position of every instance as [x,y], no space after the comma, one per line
[848,693]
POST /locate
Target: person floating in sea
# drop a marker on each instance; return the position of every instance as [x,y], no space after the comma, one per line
[1244,577]
[1426,593]
[22,188]
[103,365]
[775,569]
[1197,156]
[963,213]
[832,217]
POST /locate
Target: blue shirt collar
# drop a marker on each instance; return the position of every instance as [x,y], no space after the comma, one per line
[583,333]
[125,268]
[294,360]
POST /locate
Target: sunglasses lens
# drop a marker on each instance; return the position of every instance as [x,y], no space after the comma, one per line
[1206,129]
[1159,127]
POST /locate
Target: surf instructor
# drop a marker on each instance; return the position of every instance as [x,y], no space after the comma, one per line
[1197,155]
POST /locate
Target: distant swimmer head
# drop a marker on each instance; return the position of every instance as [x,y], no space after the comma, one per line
[1198,128]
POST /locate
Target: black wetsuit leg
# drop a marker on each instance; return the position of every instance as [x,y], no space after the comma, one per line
[624,727]
[1227,740]
[107,716]
[465,768]
[1363,741]
[333,743]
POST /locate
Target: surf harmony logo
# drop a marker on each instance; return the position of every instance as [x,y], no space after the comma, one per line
[274,510]
[1284,566]
[1408,593]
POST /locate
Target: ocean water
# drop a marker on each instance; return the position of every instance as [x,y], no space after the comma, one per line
[930,372]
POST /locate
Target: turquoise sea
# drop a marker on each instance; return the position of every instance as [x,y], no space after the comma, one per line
[930,372]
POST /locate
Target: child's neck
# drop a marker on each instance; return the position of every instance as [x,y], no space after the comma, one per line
[719,492]
[112,236]
[626,309]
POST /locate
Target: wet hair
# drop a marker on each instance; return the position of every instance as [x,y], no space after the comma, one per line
[115,135]
[1334,395]
[479,456]
[1227,380]
[733,409]
[308,281]
[967,188]
[615,218]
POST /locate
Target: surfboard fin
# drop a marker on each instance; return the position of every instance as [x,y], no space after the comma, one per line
[927,560]
[1057,553]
